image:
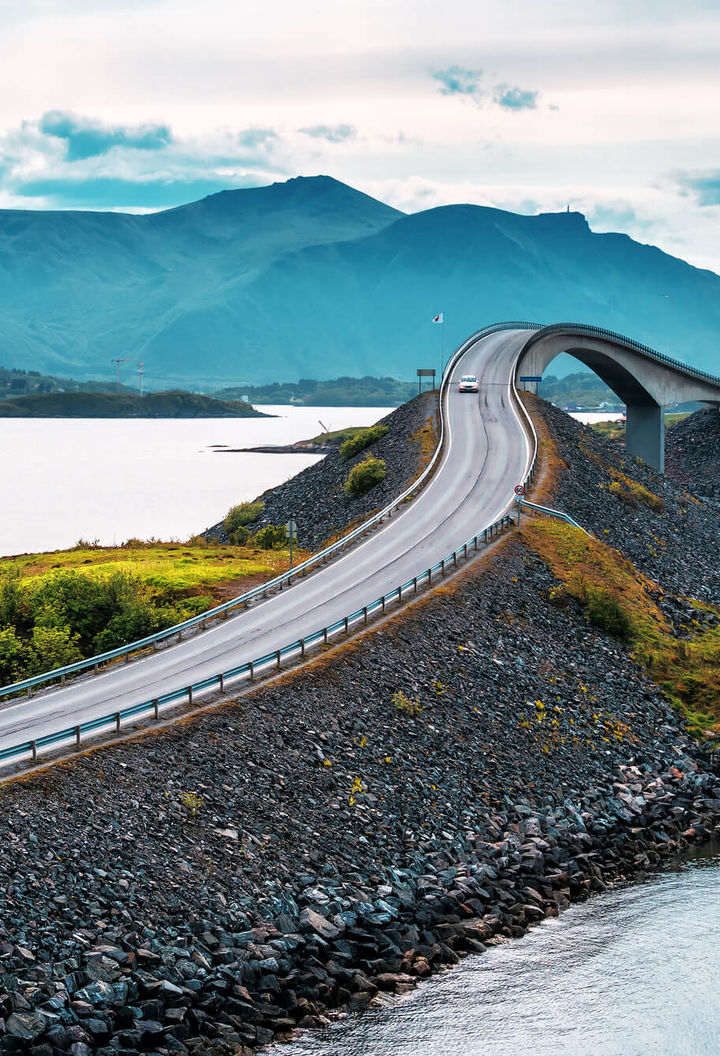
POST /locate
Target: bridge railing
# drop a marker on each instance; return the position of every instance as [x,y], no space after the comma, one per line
[61,674]
[597,331]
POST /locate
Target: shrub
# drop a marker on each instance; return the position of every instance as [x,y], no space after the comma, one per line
[410,706]
[271,537]
[362,439]
[239,536]
[242,514]
[51,647]
[605,610]
[365,475]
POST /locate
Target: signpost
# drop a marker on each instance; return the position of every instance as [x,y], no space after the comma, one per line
[519,490]
[291,534]
[531,379]
[425,374]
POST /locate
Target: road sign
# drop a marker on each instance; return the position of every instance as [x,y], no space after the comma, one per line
[291,529]
[519,489]
[531,377]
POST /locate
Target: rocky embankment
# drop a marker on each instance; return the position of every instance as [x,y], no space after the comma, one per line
[475,764]
[675,540]
[692,453]
[316,497]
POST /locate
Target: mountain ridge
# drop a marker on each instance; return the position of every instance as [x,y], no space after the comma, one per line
[310,277]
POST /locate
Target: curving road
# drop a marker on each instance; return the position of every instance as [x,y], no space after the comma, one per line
[486,452]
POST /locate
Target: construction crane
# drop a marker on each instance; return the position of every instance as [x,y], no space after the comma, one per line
[117,362]
[141,371]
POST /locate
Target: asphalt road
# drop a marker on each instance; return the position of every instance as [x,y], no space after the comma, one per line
[486,453]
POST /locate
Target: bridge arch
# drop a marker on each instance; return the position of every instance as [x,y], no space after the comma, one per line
[645,380]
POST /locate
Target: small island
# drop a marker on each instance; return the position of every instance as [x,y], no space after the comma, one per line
[124,405]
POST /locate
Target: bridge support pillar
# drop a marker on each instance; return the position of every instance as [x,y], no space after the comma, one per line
[645,433]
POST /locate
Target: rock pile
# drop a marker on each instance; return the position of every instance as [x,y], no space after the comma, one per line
[692,453]
[315,496]
[439,786]
[676,547]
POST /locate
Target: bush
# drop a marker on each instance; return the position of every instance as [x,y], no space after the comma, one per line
[365,475]
[239,536]
[605,610]
[271,537]
[242,514]
[362,439]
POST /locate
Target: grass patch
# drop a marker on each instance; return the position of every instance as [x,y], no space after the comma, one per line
[166,566]
[615,597]
[629,491]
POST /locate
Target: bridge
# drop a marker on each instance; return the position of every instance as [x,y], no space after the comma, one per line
[488,444]
[646,381]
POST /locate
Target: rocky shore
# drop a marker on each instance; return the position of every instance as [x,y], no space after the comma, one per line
[440,785]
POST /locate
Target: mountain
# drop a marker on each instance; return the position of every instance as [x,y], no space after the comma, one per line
[310,278]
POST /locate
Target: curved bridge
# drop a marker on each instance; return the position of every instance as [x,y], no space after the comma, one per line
[643,379]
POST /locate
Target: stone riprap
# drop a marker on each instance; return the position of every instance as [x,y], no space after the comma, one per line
[692,453]
[438,786]
[316,497]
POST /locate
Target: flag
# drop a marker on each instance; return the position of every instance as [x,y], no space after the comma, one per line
[439,318]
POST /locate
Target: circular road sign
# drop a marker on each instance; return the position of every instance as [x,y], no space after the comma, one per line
[519,489]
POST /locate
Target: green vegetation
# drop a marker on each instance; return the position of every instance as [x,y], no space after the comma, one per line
[238,517]
[105,405]
[14,383]
[617,598]
[361,439]
[409,706]
[59,607]
[365,475]
[340,392]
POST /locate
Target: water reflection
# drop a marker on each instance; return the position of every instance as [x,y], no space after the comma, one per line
[635,972]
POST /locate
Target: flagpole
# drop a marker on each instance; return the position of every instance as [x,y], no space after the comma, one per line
[442,347]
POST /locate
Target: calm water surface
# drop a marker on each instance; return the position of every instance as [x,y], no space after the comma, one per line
[63,479]
[634,972]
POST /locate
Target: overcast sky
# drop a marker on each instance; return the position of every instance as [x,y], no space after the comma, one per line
[610,106]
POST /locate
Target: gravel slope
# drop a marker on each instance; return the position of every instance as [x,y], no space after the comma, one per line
[315,496]
[208,887]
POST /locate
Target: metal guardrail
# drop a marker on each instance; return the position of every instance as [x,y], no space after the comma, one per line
[558,514]
[60,674]
[31,749]
[610,335]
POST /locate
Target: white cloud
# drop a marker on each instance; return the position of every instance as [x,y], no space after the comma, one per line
[626,95]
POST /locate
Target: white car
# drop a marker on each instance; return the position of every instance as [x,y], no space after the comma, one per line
[468,383]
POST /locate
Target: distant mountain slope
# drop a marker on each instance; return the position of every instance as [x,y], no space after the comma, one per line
[311,278]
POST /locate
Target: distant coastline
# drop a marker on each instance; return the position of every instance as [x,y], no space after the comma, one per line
[121,405]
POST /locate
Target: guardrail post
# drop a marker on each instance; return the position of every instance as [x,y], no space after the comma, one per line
[278,659]
[442,567]
[475,541]
[62,680]
[382,602]
[325,635]
[465,551]
[485,536]
[302,648]
[33,747]
[97,668]
[154,645]
[127,658]
[415,586]
[454,557]
[190,694]
[117,721]
[429,576]
[221,682]
[77,736]
[347,625]
[365,614]
[252,670]
[156,708]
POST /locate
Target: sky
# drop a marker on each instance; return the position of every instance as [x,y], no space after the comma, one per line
[611,107]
